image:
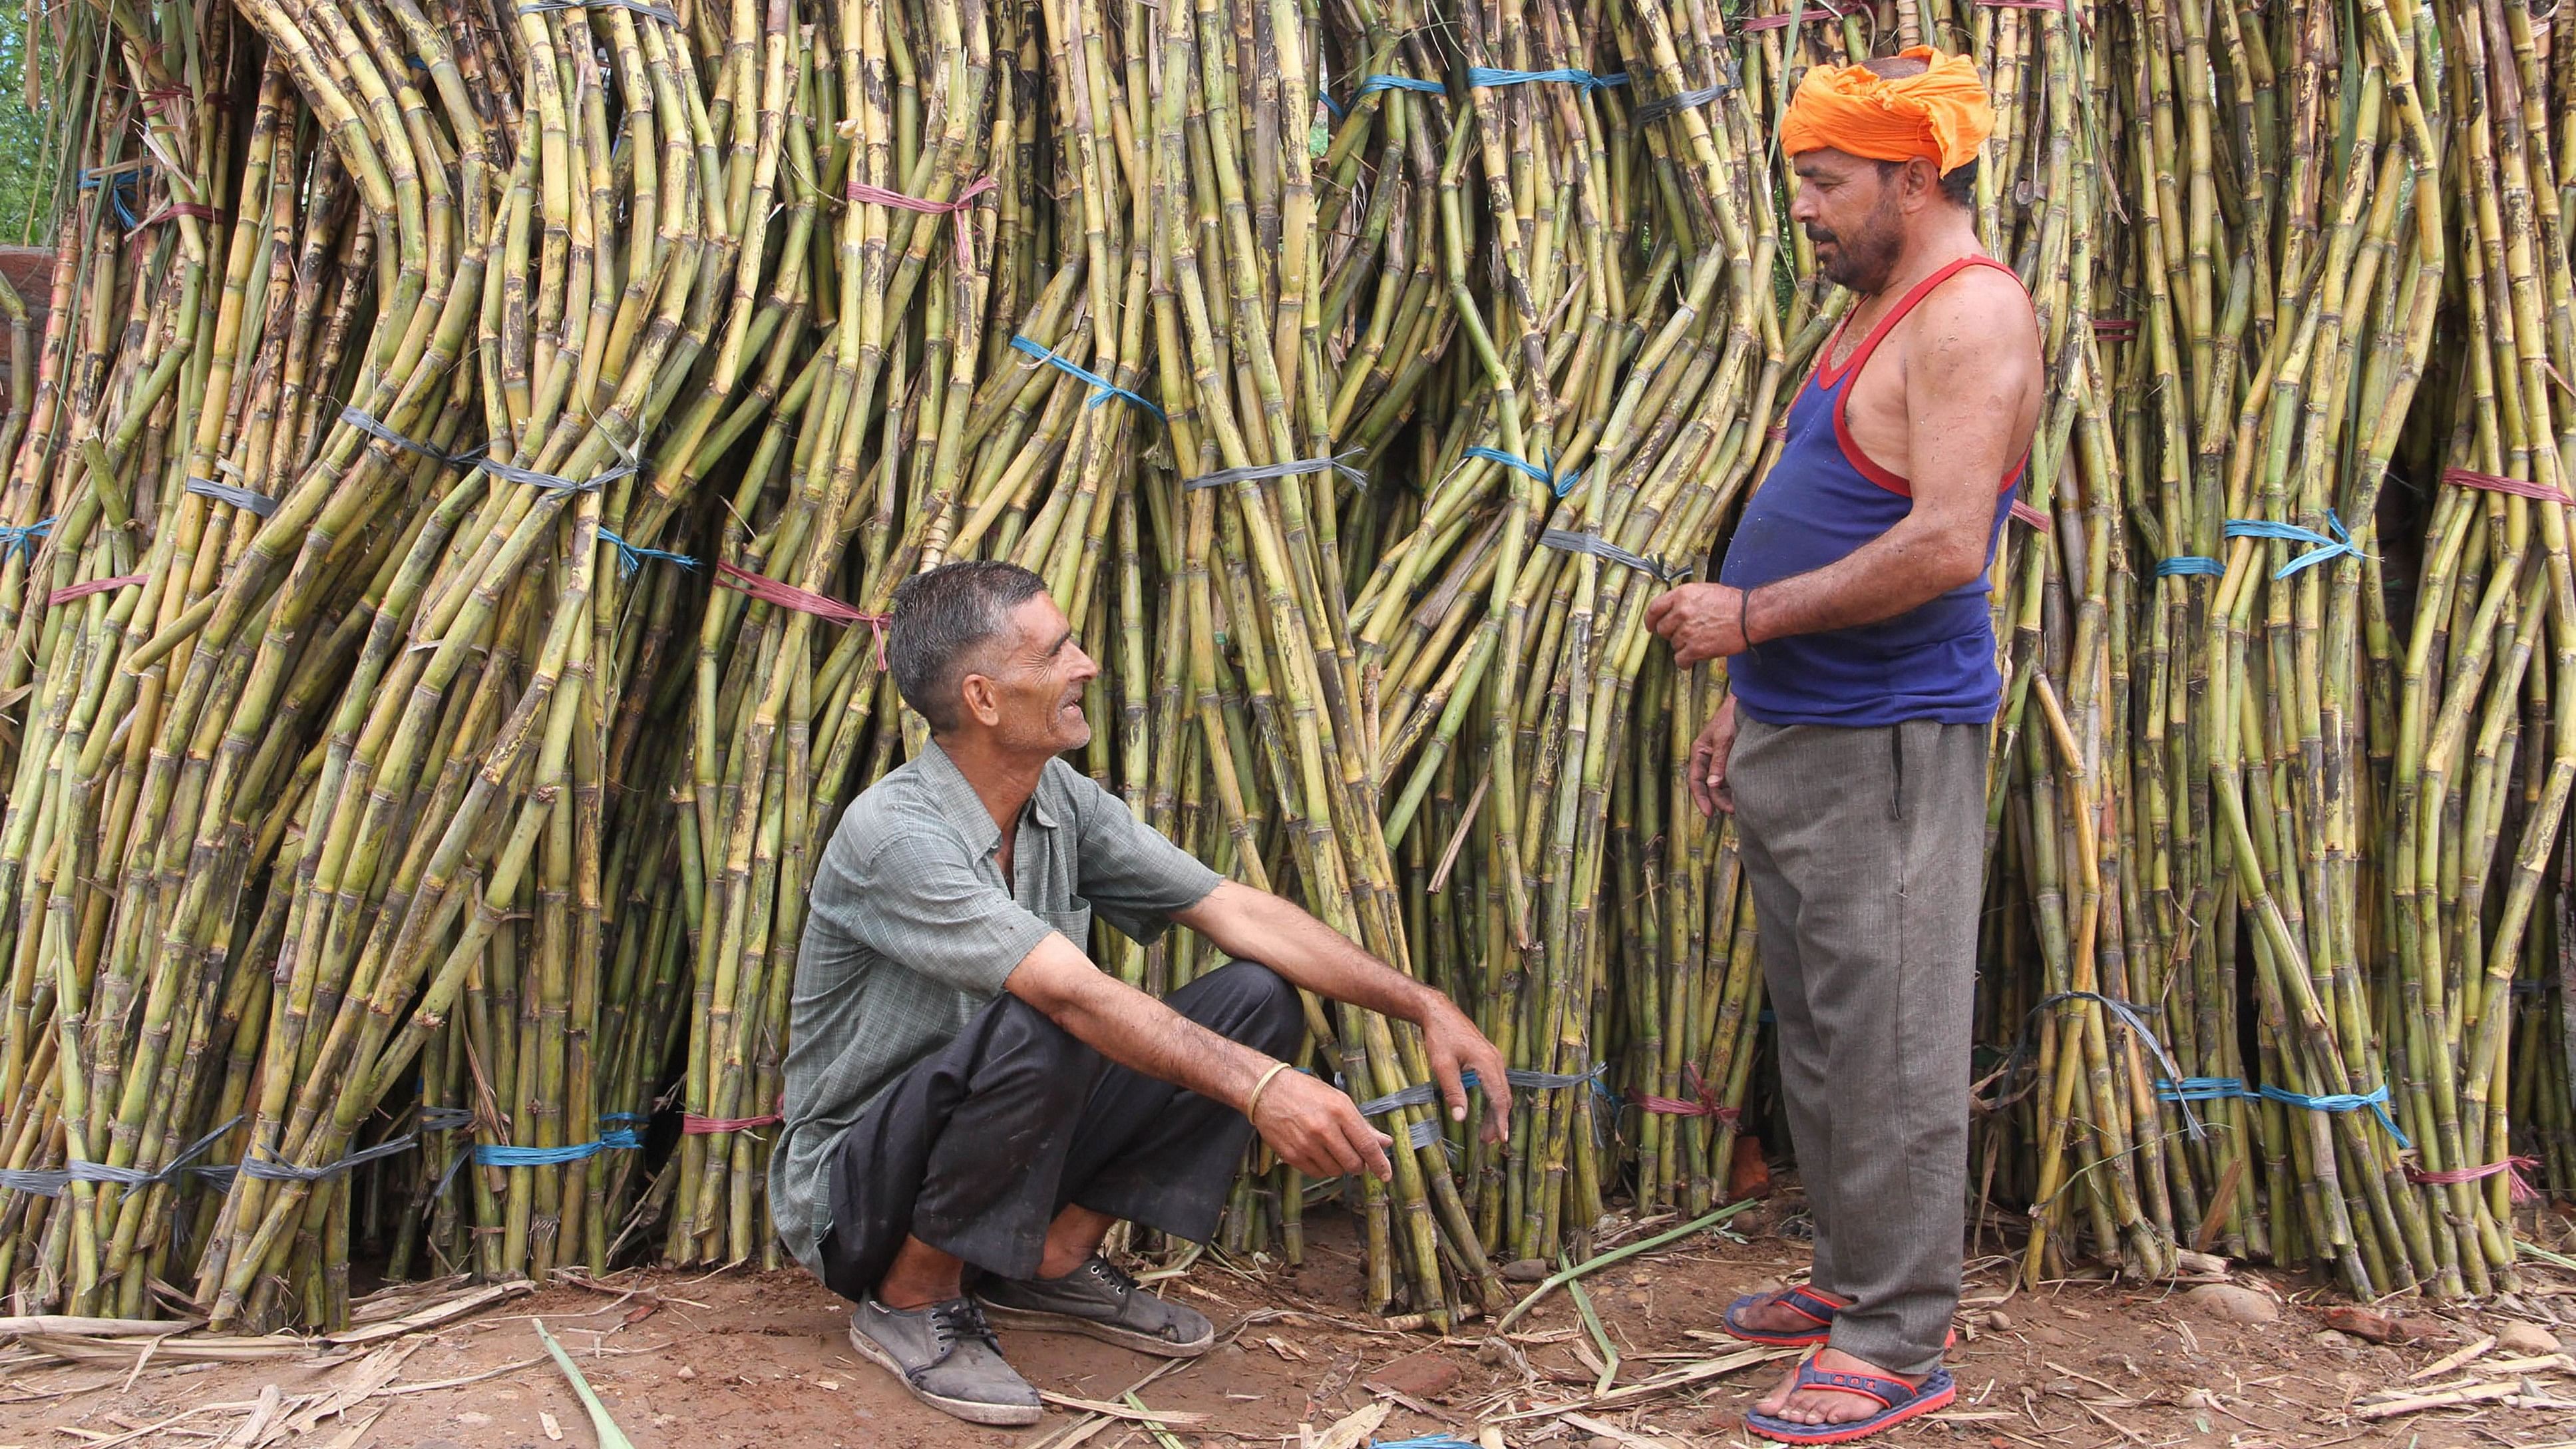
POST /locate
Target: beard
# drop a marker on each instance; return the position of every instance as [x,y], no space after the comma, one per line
[1865,258]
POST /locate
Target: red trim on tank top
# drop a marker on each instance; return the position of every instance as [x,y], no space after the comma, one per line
[1828,376]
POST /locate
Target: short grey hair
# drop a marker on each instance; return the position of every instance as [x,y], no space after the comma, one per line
[941,620]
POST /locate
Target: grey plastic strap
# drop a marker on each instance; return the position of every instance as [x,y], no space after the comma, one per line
[1655,110]
[1223,476]
[653,12]
[358,419]
[243,498]
[512,473]
[1600,547]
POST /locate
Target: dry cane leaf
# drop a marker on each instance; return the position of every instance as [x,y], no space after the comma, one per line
[1355,1430]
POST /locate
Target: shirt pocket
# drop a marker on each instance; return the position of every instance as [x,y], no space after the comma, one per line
[1074,921]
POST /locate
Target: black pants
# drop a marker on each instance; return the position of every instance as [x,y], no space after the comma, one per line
[978,1147]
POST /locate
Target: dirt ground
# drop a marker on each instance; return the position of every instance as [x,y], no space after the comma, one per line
[750,1359]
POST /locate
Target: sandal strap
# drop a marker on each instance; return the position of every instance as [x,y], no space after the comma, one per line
[1806,1301]
[1891,1393]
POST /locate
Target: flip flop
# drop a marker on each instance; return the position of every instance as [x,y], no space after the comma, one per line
[1902,1403]
[1805,1302]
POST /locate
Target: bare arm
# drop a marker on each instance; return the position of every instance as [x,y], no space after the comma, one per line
[1259,926]
[1969,385]
[1307,1122]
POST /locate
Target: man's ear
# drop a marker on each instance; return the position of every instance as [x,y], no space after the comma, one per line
[982,699]
[1922,182]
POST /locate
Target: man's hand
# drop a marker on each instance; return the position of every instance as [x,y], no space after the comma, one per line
[1454,1046]
[1708,762]
[1315,1129]
[1701,622]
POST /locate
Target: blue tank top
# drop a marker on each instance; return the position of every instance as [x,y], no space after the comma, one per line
[1822,499]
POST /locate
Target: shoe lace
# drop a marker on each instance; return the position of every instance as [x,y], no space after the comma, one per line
[959,1321]
[1110,1273]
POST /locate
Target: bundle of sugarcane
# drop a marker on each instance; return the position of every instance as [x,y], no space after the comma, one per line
[369,688]
[861,430]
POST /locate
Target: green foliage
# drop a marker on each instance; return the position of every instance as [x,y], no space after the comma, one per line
[25,215]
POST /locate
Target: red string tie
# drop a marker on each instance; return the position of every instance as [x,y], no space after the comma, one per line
[94,586]
[803,601]
[1702,1102]
[2518,487]
[2517,1185]
[696,1126]
[2024,513]
[861,191]
[1811,10]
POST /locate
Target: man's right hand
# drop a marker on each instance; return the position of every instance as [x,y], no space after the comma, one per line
[1318,1131]
[1708,762]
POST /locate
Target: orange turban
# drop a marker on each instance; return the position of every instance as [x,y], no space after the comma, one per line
[1940,116]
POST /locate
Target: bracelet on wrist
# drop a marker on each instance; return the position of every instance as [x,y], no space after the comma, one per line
[1252,1103]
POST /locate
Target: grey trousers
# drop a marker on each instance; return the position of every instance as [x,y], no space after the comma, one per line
[1866,853]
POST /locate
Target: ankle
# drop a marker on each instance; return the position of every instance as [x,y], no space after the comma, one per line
[913,1297]
[1056,1263]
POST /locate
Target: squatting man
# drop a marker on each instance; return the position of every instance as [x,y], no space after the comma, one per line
[971,1102]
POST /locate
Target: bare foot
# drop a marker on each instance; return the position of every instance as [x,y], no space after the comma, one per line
[1770,1315]
[1829,1406]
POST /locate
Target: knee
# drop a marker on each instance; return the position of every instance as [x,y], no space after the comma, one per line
[1271,1014]
[1021,1041]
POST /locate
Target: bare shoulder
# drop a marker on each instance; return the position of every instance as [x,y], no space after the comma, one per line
[1980,317]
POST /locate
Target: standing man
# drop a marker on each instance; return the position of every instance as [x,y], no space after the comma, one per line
[966,1089]
[1852,748]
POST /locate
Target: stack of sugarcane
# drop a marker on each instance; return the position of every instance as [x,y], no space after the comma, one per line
[2314,809]
[384,873]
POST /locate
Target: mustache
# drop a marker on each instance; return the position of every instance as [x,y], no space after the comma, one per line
[1820,235]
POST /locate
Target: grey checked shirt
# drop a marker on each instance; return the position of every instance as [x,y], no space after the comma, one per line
[912,930]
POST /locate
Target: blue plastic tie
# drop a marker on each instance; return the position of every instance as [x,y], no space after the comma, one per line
[2326,548]
[625,1116]
[1483,75]
[21,538]
[2189,563]
[2200,1089]
[90,181]
[2129,1017]
[1371,85]
[1102,388]
[495,1154]
[630,557]
[2376,1101]
[2206,1089]
[1547,475]
[1331,105]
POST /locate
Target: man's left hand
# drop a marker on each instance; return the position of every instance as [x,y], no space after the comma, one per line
[1454,1046]
[1701,622]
